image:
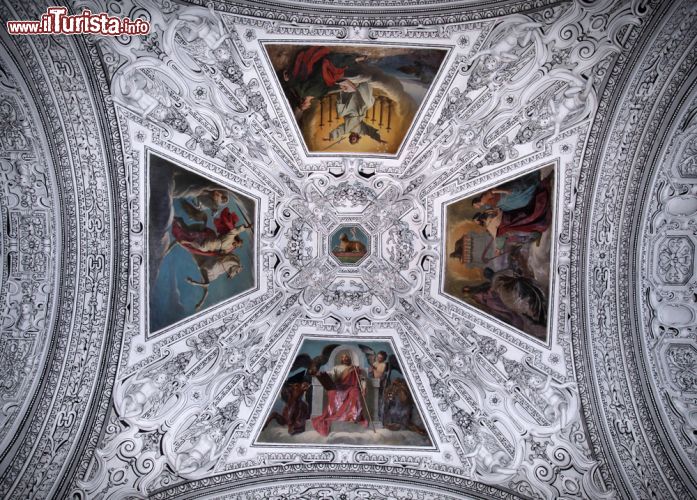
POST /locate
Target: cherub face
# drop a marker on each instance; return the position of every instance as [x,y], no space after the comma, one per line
[222,54]
[237,131]
[491,63]
[381,358]
[159,113]
[469,441]
[317,275]
[160,379]
[458,361]
[535,382]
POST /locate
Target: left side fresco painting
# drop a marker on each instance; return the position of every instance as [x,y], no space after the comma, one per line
[200,243]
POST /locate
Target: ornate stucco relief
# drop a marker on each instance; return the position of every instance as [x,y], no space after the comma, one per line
[615,295]
[29,249]
[667,274]
[516,95]
[81,174]
[132,411]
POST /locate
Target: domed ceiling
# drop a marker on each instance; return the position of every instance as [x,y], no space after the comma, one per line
[350,250]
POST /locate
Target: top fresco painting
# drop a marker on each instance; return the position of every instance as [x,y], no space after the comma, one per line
[354,98]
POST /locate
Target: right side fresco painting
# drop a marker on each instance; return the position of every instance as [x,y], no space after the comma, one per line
[498,251]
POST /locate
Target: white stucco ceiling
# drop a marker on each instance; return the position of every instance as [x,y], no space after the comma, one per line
[137,364]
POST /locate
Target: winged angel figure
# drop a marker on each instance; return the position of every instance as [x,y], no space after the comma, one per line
[296,411]
[396,403]
[202,443]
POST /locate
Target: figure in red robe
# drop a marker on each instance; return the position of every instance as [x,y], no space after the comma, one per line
[345,401]
[313,73]
[201,240]
[519,225]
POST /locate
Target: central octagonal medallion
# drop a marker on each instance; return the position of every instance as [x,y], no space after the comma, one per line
[349,244]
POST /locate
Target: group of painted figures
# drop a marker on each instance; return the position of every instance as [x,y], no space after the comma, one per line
[346,392]
[351,81]
[516,217]
[207,228]
[318,71]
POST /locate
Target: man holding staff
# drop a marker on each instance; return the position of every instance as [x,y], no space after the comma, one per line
[346,400]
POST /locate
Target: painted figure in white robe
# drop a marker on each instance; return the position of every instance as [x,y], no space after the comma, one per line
[353,103]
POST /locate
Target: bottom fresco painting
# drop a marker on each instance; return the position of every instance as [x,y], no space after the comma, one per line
[351,393]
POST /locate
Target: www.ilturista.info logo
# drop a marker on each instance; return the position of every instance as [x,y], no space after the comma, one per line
[56,21]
